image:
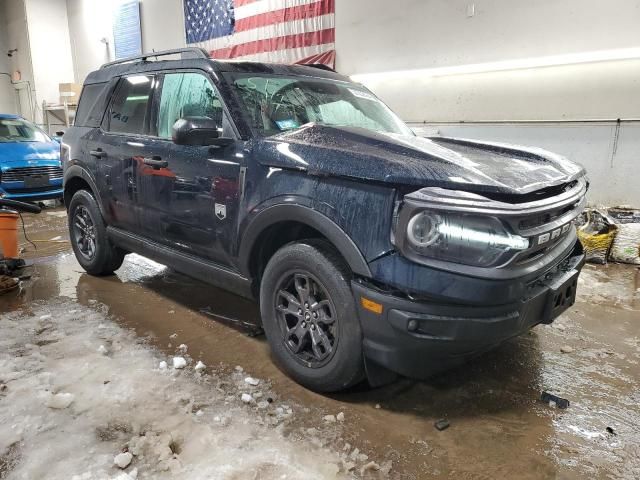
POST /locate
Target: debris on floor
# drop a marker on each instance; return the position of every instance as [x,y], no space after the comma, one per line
[8,284]
[179,362]
[441,424]
[597,234]
[626,245]
[123,460]
[329,418]
[611,234]
[554,400]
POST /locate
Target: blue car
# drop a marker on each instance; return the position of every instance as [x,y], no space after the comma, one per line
[29,161]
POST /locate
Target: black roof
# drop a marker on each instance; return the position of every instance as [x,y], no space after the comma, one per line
[108,71]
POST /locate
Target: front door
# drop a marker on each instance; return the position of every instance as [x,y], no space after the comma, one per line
[189,195]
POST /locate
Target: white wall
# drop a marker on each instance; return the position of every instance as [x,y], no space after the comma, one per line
[420,35]
[7,95]
[428,33]
[162,24]
[50,48]
[601,90]
[90,21]
[17,37]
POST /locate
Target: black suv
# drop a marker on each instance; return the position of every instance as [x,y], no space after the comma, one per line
[372,251]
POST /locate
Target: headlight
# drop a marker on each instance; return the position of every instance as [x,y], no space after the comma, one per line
[472,240]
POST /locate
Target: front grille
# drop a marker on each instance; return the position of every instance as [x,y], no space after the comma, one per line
[547,217]
[18,174]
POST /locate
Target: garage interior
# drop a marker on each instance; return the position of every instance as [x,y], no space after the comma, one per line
[563,76]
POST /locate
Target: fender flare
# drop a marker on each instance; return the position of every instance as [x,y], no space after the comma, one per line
[77,171]
[307,216]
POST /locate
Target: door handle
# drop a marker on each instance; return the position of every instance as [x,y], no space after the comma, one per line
[155,162]
[97,153]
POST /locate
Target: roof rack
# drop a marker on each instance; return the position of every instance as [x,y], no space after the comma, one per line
[190,52]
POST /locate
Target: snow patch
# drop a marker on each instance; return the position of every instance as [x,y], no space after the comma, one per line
[173,426]
[179,362]
[59,400]
[123,460]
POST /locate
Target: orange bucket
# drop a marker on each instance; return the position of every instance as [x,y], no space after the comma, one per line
[9,233]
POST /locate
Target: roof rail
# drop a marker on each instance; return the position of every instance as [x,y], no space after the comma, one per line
[190,52]
[320,66]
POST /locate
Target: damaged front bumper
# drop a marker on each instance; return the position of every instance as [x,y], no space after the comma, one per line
[420,338]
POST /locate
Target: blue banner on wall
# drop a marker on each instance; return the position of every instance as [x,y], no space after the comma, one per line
[127,35]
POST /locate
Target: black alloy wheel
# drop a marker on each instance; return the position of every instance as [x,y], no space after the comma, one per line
[84,232]
[307,318]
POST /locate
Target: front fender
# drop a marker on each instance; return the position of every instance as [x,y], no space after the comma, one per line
[310,217]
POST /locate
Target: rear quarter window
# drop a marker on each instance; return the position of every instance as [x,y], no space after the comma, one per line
[92,104]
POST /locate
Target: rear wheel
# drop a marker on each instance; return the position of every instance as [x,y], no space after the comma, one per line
[88,234]
[309,316]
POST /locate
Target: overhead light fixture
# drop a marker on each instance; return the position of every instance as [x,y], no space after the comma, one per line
[505,65]
[138,79]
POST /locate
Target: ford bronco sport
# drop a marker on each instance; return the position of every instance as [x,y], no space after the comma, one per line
[373,252]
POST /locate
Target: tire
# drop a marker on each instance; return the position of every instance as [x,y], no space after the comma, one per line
[88,236]
[334,361]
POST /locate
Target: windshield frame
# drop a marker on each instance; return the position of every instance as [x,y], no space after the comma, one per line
[27,123]
[244,114]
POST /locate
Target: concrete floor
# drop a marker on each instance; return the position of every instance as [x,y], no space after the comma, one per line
[499,428]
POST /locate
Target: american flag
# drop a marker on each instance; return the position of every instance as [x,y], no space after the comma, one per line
[281,31]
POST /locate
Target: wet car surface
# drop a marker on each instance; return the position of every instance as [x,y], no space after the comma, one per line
[498,426]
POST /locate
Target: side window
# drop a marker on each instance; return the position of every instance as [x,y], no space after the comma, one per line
[129,110]
[186,95]
[91,94]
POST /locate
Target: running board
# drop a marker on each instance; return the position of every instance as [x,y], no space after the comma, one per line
[189,265]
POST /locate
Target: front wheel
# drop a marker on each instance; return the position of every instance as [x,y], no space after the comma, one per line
[88,235]
[309,316]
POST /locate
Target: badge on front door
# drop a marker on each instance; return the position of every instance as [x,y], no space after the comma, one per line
[221,211]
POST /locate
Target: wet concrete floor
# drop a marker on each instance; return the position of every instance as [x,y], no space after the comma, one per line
[499,428]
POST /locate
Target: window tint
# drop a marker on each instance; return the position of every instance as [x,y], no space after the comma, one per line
[129,109]
[91,106]
[186,95]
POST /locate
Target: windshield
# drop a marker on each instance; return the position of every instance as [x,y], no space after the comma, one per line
[273,104]
[18,130]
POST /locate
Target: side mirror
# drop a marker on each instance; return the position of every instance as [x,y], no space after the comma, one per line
[201,131]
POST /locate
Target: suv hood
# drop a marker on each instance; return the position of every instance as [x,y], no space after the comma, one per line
[416,161]
[27,153]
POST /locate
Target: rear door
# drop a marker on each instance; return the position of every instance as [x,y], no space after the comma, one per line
[119,148]
[191,195]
